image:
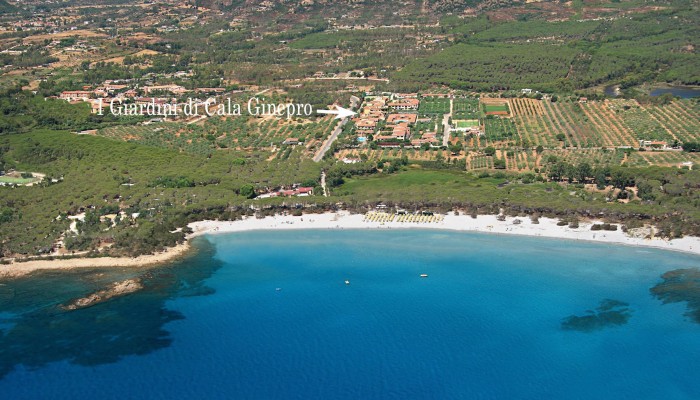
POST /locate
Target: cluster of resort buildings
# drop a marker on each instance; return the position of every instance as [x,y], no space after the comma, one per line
[294,191]
[390,120]
[108,90]
[40,22]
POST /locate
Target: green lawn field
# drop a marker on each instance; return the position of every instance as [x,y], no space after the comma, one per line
[467,123]
[495,107]
[17,181]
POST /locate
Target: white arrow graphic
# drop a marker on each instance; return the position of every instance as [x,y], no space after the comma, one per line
[339,111]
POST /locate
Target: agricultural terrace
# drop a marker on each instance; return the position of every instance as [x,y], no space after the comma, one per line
[478,161]
[433,154]
[495,106]
[499,129]
[524,160]
[534,125]
[594,157]
[465,108]
[431,106]
[529,160]
[663,158]
[681,118]
[568,131]
[639,121]
[564,124]
[427,124]
[238,133]
[495,109]
[610,125]
[584,125]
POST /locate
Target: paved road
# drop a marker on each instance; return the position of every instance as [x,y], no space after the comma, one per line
[354,102]
[327,144]
[446,127]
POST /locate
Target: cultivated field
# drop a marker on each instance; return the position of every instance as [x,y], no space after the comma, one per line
[594,132]
[664,158]
[432,106]
[499,130]
[465,108]
[238,133]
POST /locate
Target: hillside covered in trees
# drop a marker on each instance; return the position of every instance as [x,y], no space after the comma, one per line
[565,55]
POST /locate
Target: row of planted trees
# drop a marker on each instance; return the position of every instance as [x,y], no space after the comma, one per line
[583,173]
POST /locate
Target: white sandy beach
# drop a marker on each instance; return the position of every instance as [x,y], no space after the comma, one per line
[547,227]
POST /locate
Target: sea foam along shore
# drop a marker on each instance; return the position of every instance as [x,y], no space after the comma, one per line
[547,227]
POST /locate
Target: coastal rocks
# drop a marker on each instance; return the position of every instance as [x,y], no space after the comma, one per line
[115,290]
[610,313]
[643,232]
[681,285]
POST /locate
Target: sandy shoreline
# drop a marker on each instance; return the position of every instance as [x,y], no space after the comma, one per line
[546,228]
[18,269]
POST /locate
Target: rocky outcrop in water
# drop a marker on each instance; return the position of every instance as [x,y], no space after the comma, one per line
[117,289]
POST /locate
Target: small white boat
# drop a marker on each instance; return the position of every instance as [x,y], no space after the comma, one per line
[423,275]
[347,282]
[278,289]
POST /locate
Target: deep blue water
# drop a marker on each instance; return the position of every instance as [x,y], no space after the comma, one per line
[485,324]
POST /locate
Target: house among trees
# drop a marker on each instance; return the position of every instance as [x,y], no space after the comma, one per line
[429,138]
[216,90]
[365,124]
[129,94]
[75,95]
[653,144]
[401,131]
[405,104]
[301,191]
[111,88]
[174,89]
[437,95]
[398,118]
[401,96]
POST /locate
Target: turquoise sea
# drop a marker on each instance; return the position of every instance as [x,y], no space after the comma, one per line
[267,315]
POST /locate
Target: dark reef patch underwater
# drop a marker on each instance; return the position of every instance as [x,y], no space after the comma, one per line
[681,285]
[35,330]
[608,314]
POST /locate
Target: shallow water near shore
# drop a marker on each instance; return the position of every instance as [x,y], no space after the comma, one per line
[261,315]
